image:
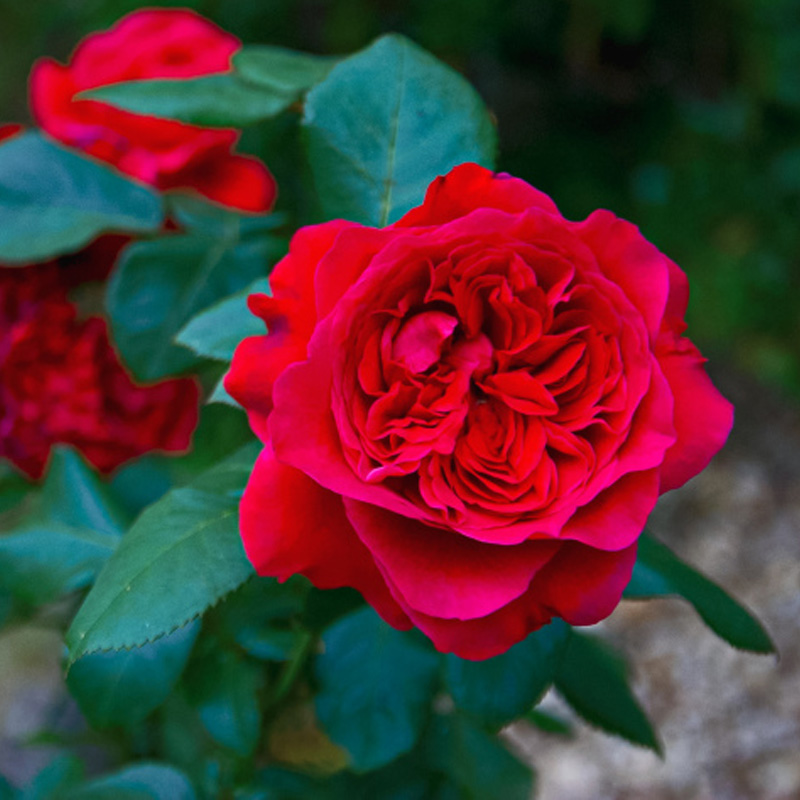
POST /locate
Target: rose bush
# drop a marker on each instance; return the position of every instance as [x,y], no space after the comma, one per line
[61,380]
[468,415]
[151,43]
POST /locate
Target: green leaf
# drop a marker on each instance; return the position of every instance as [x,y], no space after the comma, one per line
[180,557]
[384,124]
[220,396]
[503,688]
[159,286]
[549,723]
[55,779]
[660,572]
[284,75]
[215,332]
[380,677]
[53,201]
[593,679]
[41,563]
[223,687]
[123,687]
[74,494]
[475,761]
[70,530]
[211,101]
[144,781]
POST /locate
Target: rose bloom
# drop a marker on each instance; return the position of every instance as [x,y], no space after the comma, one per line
[9,129]
[468,415]
[61,381]
[151,43]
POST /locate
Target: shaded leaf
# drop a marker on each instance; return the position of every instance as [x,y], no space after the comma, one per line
[281,74]
[54,201]
[593,679]
[122,687]
[223,687]
[39,563]
[144,781]
[476,762]
[381,677]
[180,557]
[211,101]
[503,688]
[159,286]
[384,124]
[215,332]
[658,572]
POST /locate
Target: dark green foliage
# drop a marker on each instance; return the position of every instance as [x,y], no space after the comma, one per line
[501,689]
[382,677]
[659,572]
[594,680]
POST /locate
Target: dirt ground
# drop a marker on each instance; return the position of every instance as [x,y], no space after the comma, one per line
[729,721]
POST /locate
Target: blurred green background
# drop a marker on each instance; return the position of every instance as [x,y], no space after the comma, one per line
[683,117]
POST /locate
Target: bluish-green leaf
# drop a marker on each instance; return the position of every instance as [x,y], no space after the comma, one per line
[380,677]
[503,688]
[159,286]
[212,101]
[180,557]
[660,572]
[70,530]
[120,687]
[593,679]
[279,73]
[55,779]
[215,332]
[476,762]
[223,687]
[384,124]
[54,201]
[143,781]
[39,563]
[74,494]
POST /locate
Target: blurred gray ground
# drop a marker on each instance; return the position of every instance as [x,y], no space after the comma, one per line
[729,721]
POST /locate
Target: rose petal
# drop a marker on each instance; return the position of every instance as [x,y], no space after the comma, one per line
[583,585]
[470,186]
[441,573]
[290,525]
[703,417]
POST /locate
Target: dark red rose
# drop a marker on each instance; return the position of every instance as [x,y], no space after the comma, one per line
[469,415]
[151,43]
[61,381]
[9,130]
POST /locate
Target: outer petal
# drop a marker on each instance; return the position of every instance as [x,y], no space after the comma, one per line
[703,417]
[257,363]
[290,525]
[583,585]
[616,517]
[470,186]
[236,181]
[484,637]
[442,573]
[632,262]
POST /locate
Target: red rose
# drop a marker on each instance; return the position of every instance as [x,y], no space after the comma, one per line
[62,382]
[469,415]
[153,43]
[9,130]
